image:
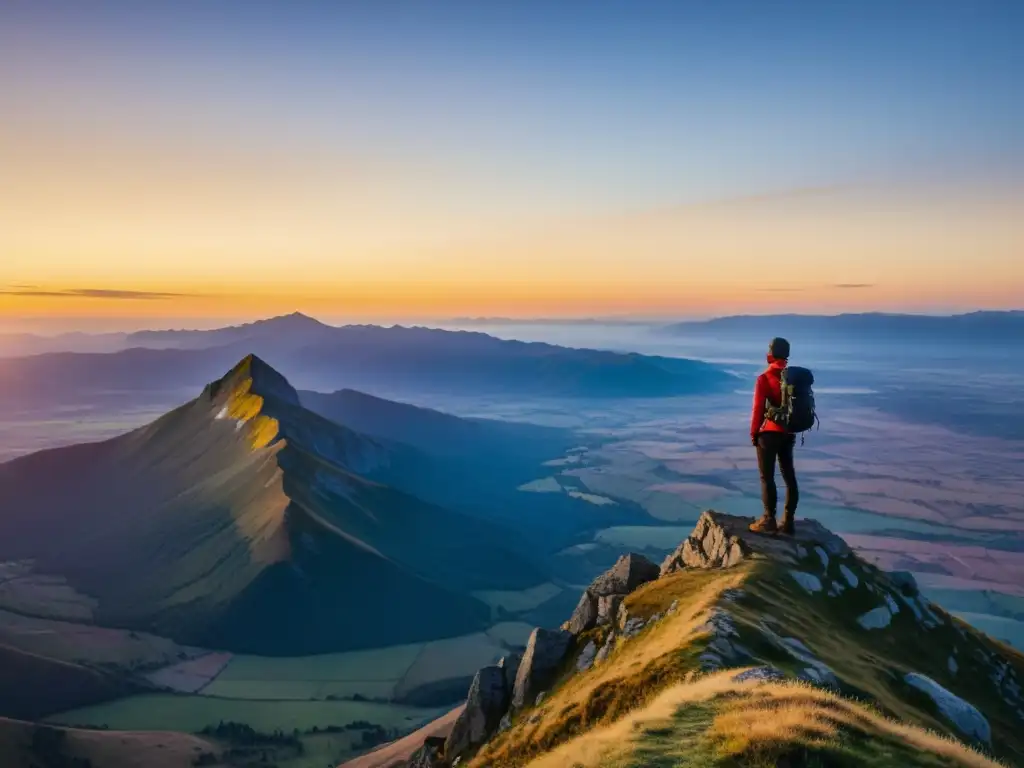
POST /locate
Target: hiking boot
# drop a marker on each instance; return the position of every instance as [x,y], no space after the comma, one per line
[765,525]
[787,527]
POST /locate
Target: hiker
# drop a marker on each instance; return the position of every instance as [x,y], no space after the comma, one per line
[774,442]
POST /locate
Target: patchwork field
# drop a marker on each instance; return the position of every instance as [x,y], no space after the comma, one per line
[85,643]
[192,713]
[381,674]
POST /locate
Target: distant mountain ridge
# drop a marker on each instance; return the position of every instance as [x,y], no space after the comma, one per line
[981,327]
[322,357]
[243,521]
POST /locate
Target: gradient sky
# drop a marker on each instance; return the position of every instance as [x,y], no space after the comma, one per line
[379,160]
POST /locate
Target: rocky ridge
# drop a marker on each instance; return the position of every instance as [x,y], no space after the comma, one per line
[881,613]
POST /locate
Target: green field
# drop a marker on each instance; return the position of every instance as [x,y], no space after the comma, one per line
[378,674]
[191,713]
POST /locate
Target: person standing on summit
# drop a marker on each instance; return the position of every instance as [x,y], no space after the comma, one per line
[774,442]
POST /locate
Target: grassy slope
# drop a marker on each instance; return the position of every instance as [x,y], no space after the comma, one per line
[701,720]
[104,749]
[33,686]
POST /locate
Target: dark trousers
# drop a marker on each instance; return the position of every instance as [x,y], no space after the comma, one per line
[772,447]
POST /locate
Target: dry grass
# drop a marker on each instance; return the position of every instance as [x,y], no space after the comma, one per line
[630,678]
[603,746]
[752,724]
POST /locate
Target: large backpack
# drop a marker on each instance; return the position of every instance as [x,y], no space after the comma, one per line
[796,412]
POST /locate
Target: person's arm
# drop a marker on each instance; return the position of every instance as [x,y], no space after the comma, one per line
[757,412]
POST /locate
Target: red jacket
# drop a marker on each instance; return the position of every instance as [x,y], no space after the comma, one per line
[768,388]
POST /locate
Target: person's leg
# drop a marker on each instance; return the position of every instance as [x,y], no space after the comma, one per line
[767,451]
[788,469]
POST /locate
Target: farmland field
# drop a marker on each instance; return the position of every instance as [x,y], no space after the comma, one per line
[192,713]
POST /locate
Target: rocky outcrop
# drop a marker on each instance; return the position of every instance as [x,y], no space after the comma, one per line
[600,602]
[964,716]
[585,615]
[608,609]
[486,703]
[722,541]
[430,755]
[545,652]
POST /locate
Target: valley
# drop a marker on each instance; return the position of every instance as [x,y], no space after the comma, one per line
[523,499]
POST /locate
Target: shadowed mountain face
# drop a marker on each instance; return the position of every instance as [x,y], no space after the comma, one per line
[243,521]
[436,433]
[322,357]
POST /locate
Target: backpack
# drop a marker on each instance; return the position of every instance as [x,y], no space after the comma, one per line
[796,413]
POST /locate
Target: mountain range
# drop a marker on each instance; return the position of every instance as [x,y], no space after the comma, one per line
[982,328]
[243,520]
[374,358]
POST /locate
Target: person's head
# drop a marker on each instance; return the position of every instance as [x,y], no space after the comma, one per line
[778,350]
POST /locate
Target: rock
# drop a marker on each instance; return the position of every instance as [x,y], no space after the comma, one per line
[905,582]
[633,626]
[540,698]
[850,576]
[510,666]
[486,703]
[545,652]
[674,607]
[506,722]
[429,755]
[837,589]
[606,649]
[585,615]
[608,608]
[894,609]
[587,657]
[629,572]
[760,675]
[819,674]
[877,618]
[823,556]
[953,666]
[964,716]
[914,609]
[810,583]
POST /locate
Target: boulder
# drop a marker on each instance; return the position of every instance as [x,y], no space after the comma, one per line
[850,576]
[808,581]
[585,615]
[877,618]
[587,657]
[486,702]
[545,652]
[608,608]
[629,572]
[964,716]
[823,556]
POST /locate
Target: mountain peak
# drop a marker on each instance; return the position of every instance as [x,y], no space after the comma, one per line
[257,377]
[247,392]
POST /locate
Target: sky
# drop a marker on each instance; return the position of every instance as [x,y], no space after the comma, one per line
[191,162]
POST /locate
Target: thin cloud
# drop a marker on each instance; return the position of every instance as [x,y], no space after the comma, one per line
[90,293]
[853,286]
